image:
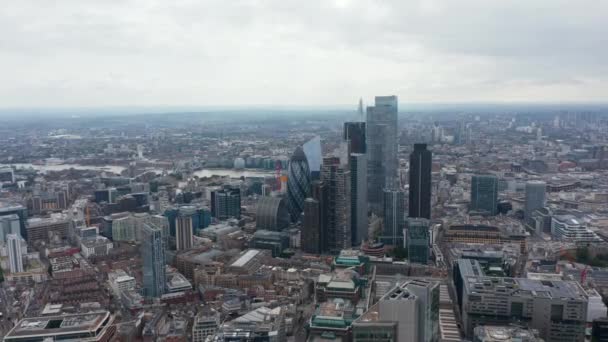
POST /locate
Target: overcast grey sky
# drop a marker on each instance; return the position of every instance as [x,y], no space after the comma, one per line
[308,52]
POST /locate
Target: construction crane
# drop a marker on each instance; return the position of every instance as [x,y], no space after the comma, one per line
[584,275]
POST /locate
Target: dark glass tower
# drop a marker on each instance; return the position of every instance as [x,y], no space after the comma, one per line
[484,193]
[298,183]
[226,203]
[420,182]
[354,135]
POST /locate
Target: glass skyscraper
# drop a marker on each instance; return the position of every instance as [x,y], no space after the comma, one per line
[420,182]
[394,217]
[153,256]
[298,183]
[484,193]
[418,248]
[381,135]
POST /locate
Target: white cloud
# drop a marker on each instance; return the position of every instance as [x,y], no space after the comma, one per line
[217,52]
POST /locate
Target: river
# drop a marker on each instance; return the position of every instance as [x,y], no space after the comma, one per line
[118,169]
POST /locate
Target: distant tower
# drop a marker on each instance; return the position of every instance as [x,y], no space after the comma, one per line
[15,257]
[535,197]
[153,257]
[226,203]
[383,163]
[484,193]
[420,182]
[298,183]
[360,109]
[314,224]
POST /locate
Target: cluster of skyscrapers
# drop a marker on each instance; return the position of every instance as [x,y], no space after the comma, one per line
[336,204]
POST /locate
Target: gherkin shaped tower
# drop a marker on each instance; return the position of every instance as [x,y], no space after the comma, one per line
[298,183]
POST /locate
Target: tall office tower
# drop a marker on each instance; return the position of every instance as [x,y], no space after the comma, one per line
[484,194]
[311,227]
[226,203]
[418,240]
[314,156]
[381,134]
[9,224]
[358,197]
[15,257]
[394,218]
[315,220]
[354,136]
[183,232]
[535,197]
[337,178]
[420,182]
[298,183]
[360,109]
[153,255]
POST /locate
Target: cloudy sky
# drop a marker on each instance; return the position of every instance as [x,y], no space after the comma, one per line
[307,52]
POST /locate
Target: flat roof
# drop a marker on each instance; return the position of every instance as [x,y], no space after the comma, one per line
[245,258]
[58,325]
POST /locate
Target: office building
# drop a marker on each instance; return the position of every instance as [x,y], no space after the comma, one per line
[535,197]
[418,240]
[44,229]
[314,156]
[409,312]
[19,210]
[273,241]
[314,221]
[15,255]
[358,197]
[153,256]
[420,182]
[95,326]
[572,229]
[505,334]
[394,218]
[9,224]
[484,194]
[556,309]
[427,308]
[337,178]
[354,135]
[298,183]
[272,213]
[184,233]
[381,145]
[226,203]
[206,323]
[7,175]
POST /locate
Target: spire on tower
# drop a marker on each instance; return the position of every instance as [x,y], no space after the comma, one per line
[360,110]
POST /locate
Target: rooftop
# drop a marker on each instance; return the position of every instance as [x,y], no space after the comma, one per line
[245,258]
[58,325]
